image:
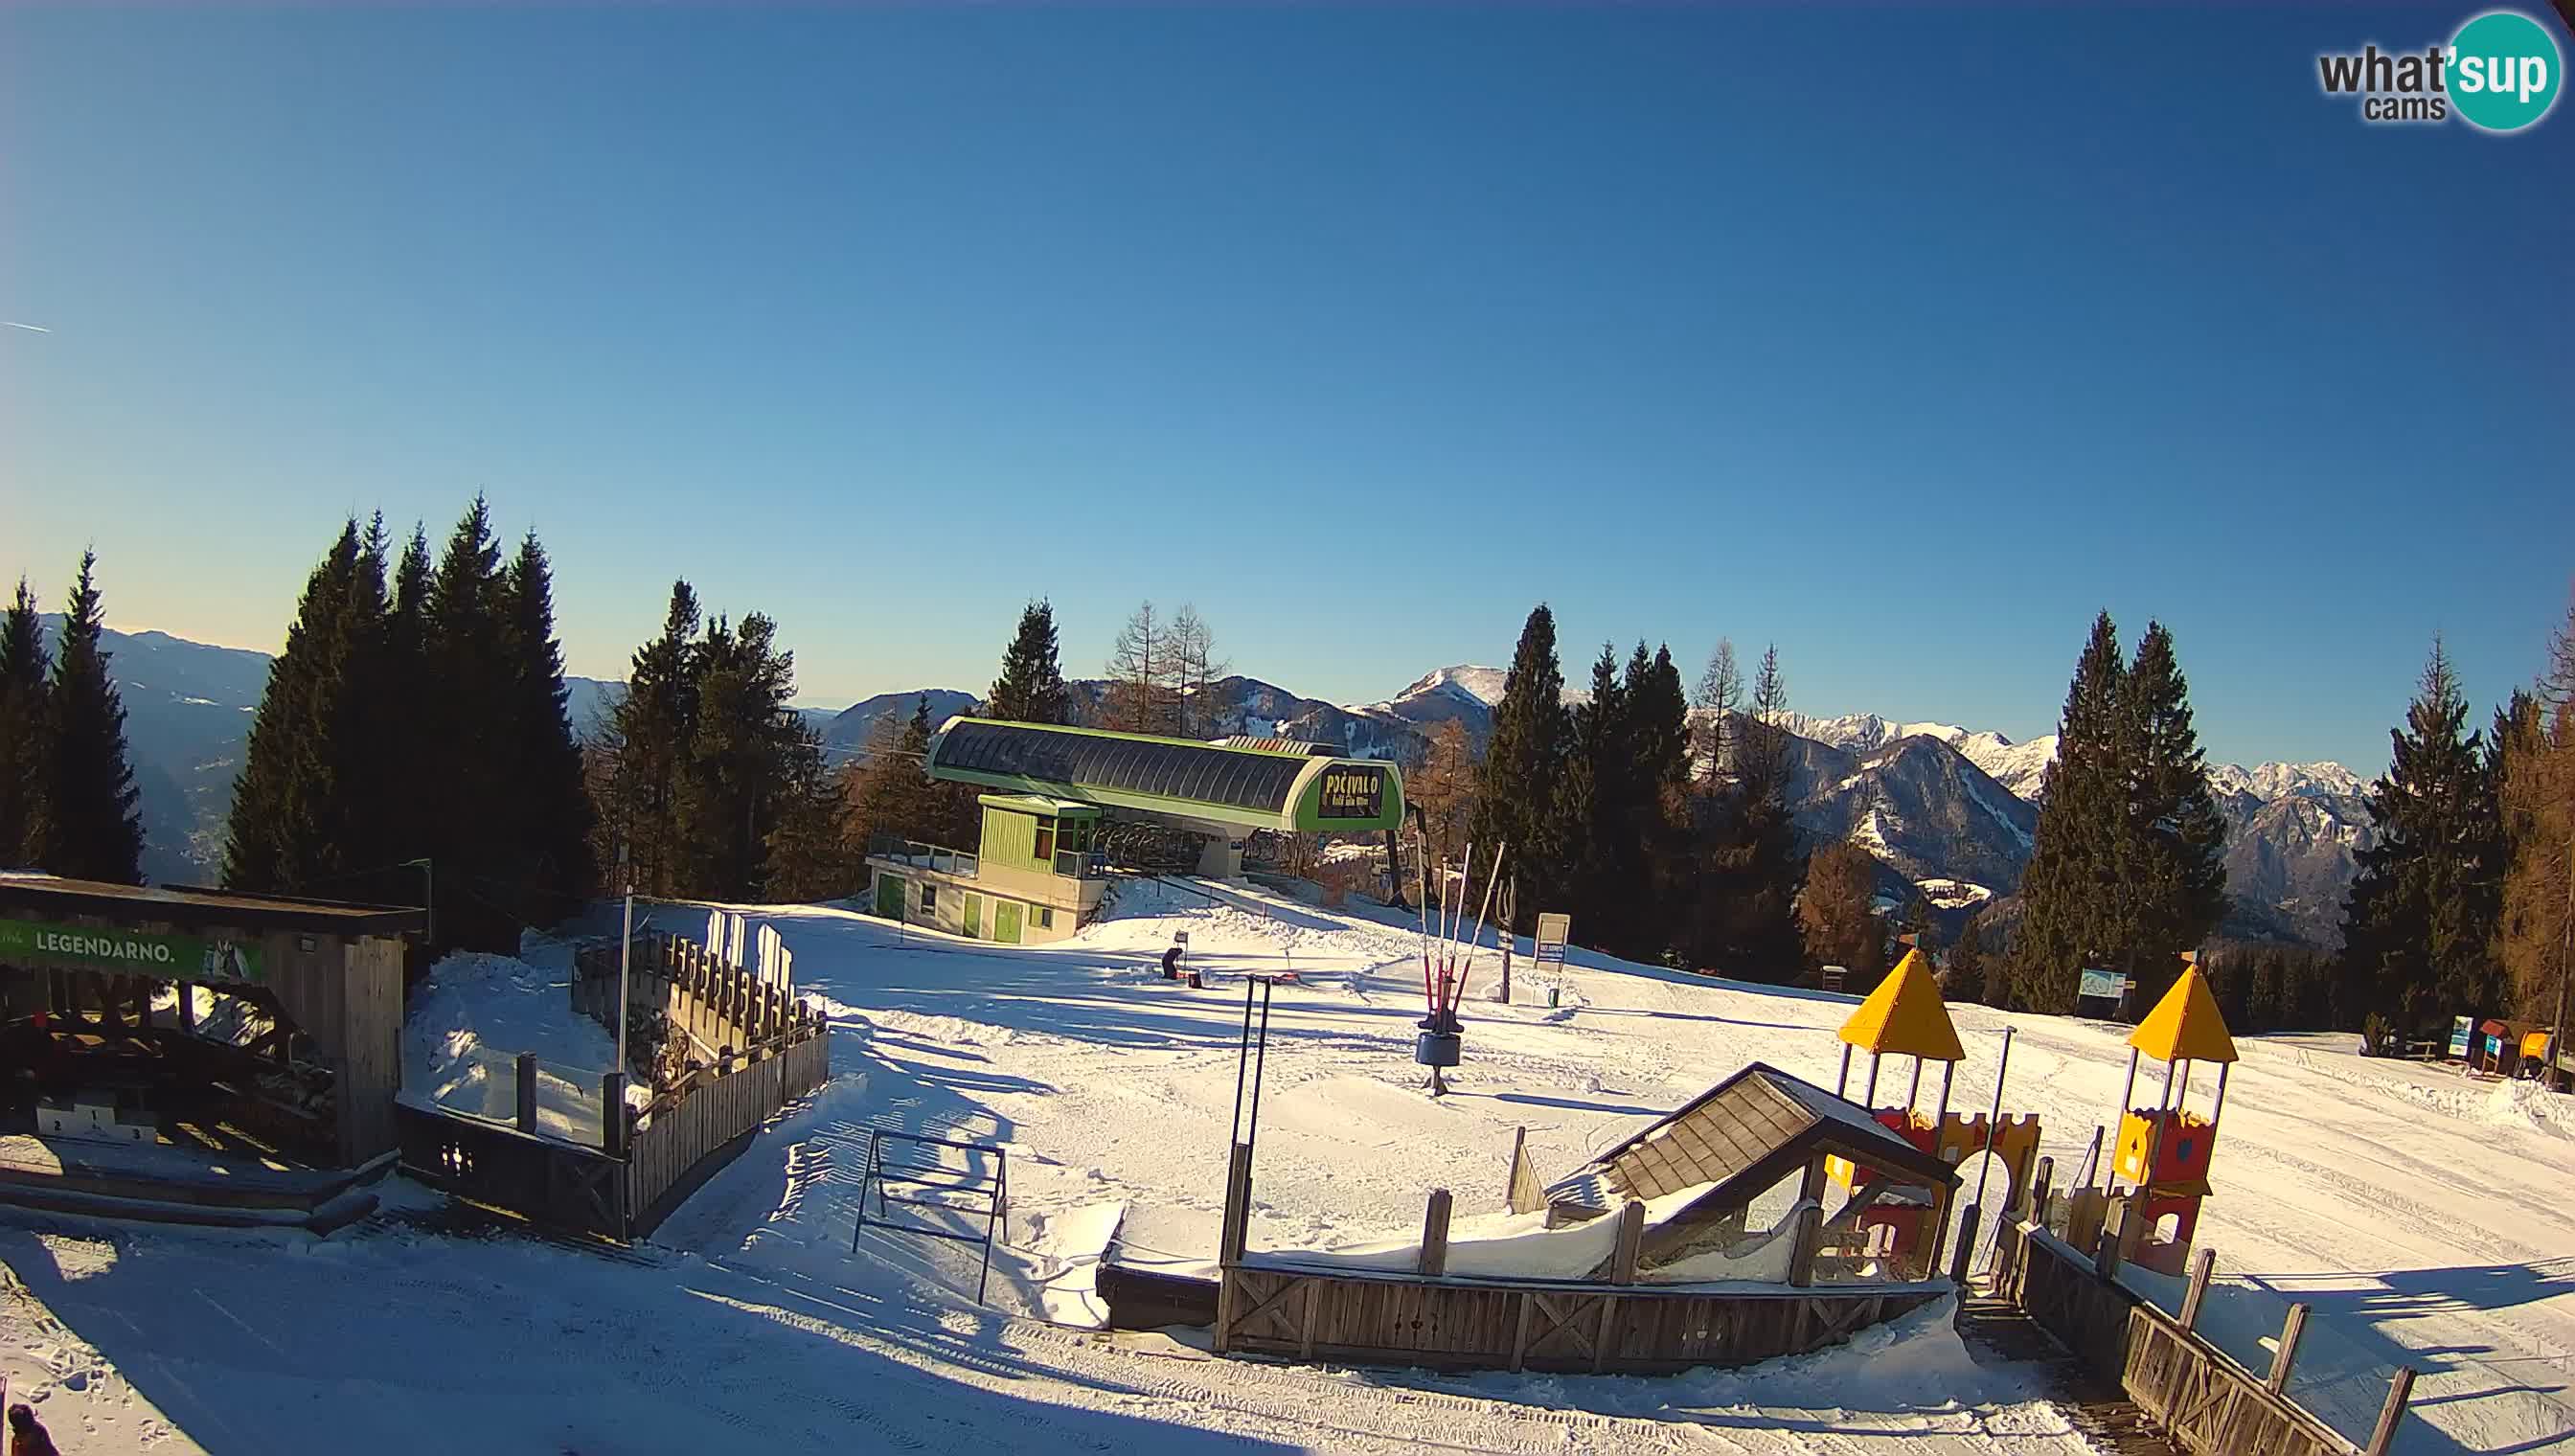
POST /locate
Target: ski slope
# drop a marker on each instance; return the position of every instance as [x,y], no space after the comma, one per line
[2409,1207]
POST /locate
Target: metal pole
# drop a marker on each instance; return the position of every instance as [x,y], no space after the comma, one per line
[1842,1081]
[1995,1118]
[2220,1104]
[1913,1090]
[1869,1097]
[624,958]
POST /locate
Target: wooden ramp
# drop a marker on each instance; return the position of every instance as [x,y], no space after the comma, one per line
[1997,1332]
[164,1184]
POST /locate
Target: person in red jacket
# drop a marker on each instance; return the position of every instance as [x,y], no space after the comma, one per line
[27,1434]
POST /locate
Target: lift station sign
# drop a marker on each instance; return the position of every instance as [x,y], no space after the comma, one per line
[132,953]
[1351,791]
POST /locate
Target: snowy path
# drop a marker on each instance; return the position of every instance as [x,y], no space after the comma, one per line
[748,1320]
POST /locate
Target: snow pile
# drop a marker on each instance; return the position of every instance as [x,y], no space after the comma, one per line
[469,1023]
[2521,1103]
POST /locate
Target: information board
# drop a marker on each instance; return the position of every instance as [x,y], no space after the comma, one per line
[1552,931]
[2462,1030]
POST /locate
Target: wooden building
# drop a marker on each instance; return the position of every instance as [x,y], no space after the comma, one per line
[87,1014]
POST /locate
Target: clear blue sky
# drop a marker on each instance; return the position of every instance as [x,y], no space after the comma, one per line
[1905,340]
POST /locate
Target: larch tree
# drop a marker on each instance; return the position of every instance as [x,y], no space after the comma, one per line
[25,666]
[1142,696]
[1720,698]
[1195,670]
[1837,912]
[1031,688]
[86,826]
[1443,786]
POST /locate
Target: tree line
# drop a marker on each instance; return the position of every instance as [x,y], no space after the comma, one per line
[67,795]
[414,739]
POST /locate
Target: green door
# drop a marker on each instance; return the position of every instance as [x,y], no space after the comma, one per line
[973,918]
[889,897]
[1005,921]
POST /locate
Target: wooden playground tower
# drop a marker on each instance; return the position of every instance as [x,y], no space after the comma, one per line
[2162,1157]
[1906,1016]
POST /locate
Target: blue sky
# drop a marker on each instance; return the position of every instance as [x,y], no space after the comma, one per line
[1906,340]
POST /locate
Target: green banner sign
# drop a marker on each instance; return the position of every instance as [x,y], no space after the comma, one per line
[132,953]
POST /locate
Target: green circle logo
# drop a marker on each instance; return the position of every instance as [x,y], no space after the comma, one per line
[2505,71]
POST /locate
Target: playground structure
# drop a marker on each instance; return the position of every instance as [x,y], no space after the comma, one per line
[1906,1017]
[2161,1162]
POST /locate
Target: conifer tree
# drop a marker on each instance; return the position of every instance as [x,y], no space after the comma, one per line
[1590,825]
[86,824]
[806,856]
[465,724]
[548,853]
[2534,774]
[1837,912]
[2069,892]
[2421,915]
[1658,879]
[2174,854]
[24,667]
[1443,786]
[400,705]
[1516,787]
[1745,912]
[1966,981]
[1720,698]
[649,730]
[292,822]
[1031,688]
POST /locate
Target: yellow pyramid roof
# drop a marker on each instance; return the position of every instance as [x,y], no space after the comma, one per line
[2185,1025]
[1906,1017]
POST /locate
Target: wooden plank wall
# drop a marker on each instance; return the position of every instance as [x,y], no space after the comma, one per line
[695,1132]
[554,1184]
[720,1004]
[1499,1325]
[370,1066]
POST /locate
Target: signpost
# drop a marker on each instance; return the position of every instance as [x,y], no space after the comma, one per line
[2463,1029]
[1553,929]
[2109,987]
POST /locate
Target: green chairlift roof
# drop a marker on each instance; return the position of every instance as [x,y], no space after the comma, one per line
[1194,783]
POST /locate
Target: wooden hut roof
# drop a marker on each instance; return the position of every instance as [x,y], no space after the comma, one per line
[1740,1136]
[2185,1025]
[48,895]
[1906,1017]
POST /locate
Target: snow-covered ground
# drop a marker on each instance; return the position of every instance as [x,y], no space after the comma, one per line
[2418,1212]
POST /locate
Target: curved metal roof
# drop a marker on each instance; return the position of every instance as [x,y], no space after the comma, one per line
[1163,769]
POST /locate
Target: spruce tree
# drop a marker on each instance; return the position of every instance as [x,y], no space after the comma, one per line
[2174,854]
[548,853]
[399,705]
[1965,981]
[730,786]
[468,727]
[1590,824]
[1031,688]
[805,857]
[649,730]
[86,824]
[24,666]
[2071,890]
[2421,915]
[1515,791]
[290,819]
[1657,882]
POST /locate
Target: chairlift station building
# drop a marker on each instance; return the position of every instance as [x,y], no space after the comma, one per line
[1038,875]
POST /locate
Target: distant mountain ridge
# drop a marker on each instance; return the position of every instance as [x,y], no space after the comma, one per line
[1943,807]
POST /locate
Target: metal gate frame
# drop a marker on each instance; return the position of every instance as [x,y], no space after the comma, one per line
[934,1174]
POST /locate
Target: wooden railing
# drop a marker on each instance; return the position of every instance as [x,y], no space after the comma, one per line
[2184,1384]
[1451,1323]
[763,1050]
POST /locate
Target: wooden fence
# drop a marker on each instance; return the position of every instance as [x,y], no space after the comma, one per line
[768,1051]
[695,1129]
[1393,1319]
[2184,1384]
[714,1004]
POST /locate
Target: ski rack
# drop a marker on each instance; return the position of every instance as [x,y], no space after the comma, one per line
[921,1162]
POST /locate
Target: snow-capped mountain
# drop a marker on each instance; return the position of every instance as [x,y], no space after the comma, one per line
[2268,781]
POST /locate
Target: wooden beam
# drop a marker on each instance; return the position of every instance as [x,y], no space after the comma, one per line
[1520,1336]
[2291,1331]
[1609,1307]
[2202,1264]
[526,1109]
[1810,1225]
[1435,1236]
[1305,1327]
[1632,1237]
[2399,1391]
